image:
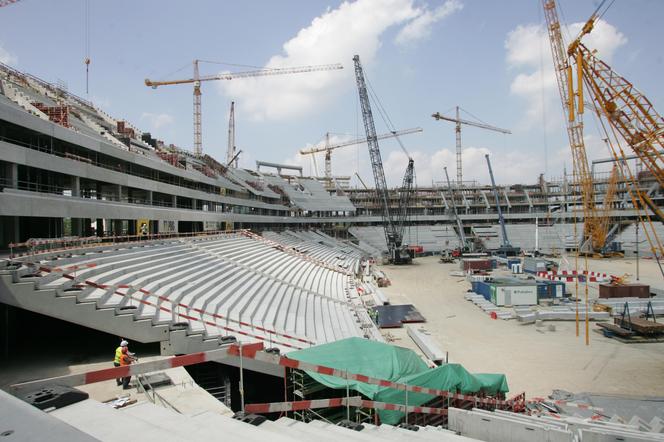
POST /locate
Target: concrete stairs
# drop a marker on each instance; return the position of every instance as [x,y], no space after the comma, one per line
[22,292]
[149,422]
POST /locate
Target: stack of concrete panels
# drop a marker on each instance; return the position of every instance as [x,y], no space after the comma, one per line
[636,305]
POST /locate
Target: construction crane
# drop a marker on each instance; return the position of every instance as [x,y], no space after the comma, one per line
[505,249]
[328,148]
[397,253]
[564,76]
[197,79]
[458,121]
[622,110]
[464,245]
[231,155]
[604,232]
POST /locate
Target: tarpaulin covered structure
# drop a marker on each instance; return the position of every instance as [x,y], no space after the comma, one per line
[396,364]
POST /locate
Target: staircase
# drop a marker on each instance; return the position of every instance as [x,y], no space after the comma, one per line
[19,288]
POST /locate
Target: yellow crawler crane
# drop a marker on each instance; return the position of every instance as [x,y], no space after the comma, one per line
[581,169]
[600,236]
[626,116]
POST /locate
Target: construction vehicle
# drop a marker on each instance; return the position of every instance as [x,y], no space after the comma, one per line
[505,249]
[458,121]
[197,79]
[328,148]
[397,252]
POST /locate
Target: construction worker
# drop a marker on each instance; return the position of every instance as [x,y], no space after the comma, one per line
[118,357]
[126,359]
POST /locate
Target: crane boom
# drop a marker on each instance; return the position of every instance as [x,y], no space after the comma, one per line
[230,151]
[629,111]
[439,116]
[458,122]
[246,74]
[324,147]
[197,79]
[393,236]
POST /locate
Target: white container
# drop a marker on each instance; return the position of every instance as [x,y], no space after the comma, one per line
[502,295]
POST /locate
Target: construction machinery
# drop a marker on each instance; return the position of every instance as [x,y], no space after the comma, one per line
[231,152]
[197,79]
[465,245]
[624,114]
[397,252]
[505,249]
[328,148]
[458,121]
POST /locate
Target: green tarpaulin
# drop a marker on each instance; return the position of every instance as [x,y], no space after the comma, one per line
[384,361]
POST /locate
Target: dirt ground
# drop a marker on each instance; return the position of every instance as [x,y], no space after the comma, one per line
[534,359]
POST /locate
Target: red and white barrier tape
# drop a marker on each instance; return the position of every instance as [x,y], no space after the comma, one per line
[107,374]
[145,292]
[580,278]
[355,401]
[253,351]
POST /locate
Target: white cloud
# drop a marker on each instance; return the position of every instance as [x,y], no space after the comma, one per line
[529,55]
[420,27]
[157,121]
[6,57]
[335,36]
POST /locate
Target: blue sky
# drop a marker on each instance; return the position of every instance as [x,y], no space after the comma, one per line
[489,57]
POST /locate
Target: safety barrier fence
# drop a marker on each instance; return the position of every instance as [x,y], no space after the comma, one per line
[254,352]
[573,275]
[175,306]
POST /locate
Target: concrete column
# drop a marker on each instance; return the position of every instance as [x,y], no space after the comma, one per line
[12,175]
[120,196]
[117,227]
[193,203]
[175,201]
[87,227]
[149,197]
[76,227]
[76,186]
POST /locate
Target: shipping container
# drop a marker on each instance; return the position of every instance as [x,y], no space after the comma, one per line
[513,294]
[624,291]
[535,265]
[467,264]
[550,289]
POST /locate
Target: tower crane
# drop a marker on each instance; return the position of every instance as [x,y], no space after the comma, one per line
[328,148]
[505,249]
[459,121]
[393,228]
[197,79]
